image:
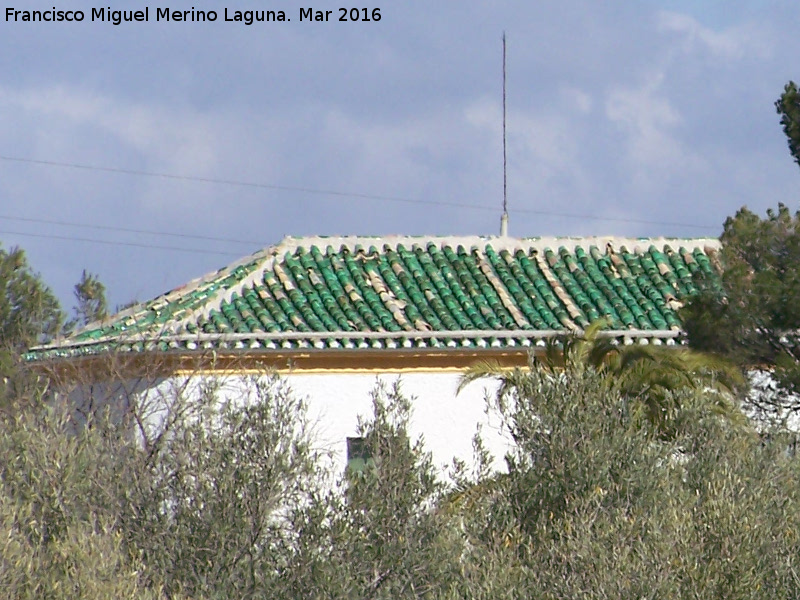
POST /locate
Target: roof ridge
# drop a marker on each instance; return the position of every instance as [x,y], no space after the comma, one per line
[267,256]
[291,243]
[175,293]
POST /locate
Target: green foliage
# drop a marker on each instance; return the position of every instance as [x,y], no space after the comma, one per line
[30,314]
[86,512]
[90,295]
[211,503]
[379,535]
[59,512]
[29,311]
[231,500]
[651,376]
[788,106]
[754,317]
[606,509]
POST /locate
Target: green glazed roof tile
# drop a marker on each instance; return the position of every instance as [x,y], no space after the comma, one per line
[411,293]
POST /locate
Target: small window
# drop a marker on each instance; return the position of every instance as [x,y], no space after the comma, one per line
[358,455]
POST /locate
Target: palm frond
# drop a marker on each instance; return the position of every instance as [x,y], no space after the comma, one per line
[485,369]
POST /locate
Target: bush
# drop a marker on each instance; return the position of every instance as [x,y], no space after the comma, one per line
[233,501]
[60,508]
[608,509]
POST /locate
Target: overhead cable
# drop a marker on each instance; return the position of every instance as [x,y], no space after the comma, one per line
[351,195]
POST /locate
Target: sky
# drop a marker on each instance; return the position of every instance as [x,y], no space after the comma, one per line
[624,117]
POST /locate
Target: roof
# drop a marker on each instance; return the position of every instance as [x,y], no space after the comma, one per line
[412,292]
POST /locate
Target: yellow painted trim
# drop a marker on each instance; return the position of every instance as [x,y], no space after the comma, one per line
[155,365]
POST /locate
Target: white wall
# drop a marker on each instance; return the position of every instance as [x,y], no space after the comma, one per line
[446,421]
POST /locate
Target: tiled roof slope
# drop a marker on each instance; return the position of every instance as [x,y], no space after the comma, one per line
[408,292]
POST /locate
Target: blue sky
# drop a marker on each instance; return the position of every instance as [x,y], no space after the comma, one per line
[636,118]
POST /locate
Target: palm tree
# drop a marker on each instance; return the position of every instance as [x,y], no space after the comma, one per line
[651,376]
[651,381]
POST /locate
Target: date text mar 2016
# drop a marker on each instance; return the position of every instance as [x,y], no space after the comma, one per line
[342,14]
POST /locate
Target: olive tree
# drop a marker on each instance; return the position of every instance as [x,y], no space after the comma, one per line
[599,505]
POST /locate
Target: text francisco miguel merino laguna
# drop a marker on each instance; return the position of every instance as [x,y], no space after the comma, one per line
[117,17]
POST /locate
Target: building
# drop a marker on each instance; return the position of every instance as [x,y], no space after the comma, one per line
[334,314]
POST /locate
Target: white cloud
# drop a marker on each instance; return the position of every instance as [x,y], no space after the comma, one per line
[180,140]
[648,119]
[75,125]
[544,141]
[577,99]
[549,150]
[733,43]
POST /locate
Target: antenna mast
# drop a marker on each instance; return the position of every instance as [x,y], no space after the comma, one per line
[504,218]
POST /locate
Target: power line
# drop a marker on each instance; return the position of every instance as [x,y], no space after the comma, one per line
[269,186]
[110,243]
[615,219]
[128,230]
[352,195]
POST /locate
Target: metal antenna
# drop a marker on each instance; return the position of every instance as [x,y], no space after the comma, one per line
[504,218]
